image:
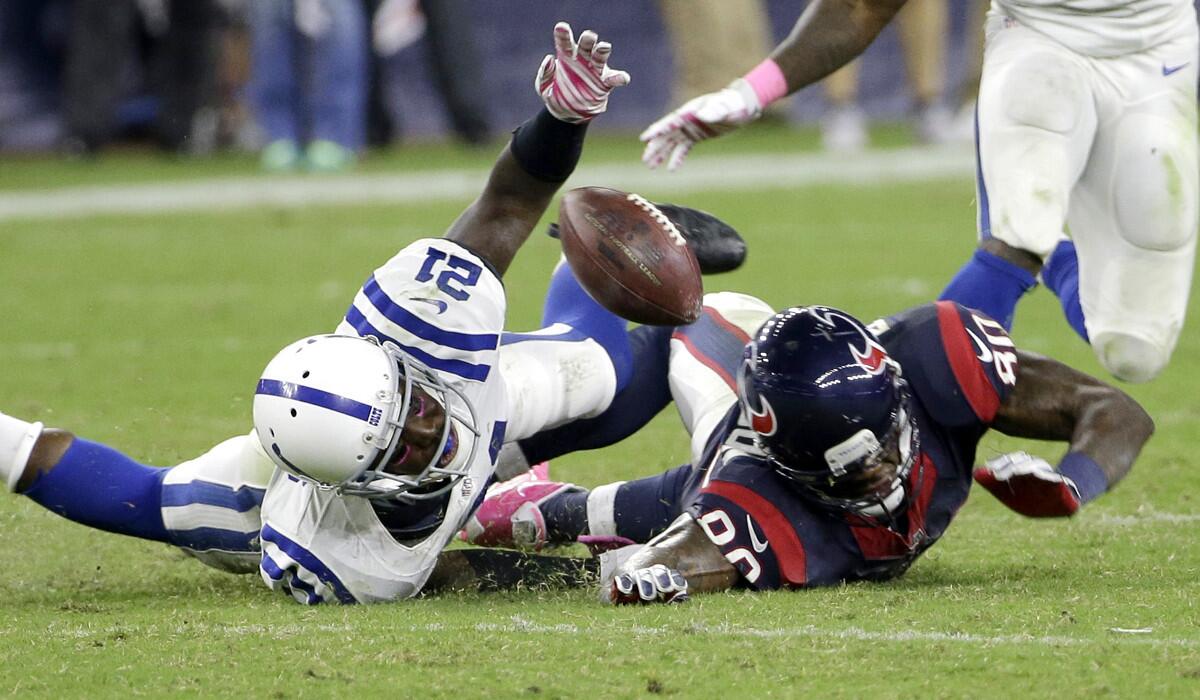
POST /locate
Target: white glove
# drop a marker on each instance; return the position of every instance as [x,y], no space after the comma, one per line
[652,584]
[575,82]
[704,117]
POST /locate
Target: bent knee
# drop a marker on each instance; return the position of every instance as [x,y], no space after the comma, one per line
[1155,195]
[51,445]
[1129,358]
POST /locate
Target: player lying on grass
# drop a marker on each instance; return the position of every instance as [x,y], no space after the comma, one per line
[822,450]
[406,424]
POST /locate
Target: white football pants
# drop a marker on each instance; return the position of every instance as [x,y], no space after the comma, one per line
[1105,149]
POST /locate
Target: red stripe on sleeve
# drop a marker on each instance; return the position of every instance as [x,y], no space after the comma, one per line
[780,534]
[971,376]
[705,360]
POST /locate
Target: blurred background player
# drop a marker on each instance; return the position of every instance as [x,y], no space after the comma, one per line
[924,30]
[1086,121]
[104,43]
[711,40]
[822,450]
[308,81]
[352,519]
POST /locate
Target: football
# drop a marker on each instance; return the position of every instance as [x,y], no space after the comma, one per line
[630,257]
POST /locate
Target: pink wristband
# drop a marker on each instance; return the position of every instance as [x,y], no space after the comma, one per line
[768,82]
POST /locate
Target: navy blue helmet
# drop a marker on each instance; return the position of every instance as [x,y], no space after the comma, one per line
[830,409]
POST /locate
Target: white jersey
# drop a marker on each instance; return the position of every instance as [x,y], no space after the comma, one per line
[444,306]
[1103,28]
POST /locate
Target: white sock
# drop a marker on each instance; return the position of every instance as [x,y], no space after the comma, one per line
[16,443]
[600,505]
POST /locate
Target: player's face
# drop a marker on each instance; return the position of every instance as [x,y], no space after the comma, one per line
[422,436]
[876,478]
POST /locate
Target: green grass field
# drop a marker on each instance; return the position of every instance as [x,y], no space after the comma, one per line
[148,332]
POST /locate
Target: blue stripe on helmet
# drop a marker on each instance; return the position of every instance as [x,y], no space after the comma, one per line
[305,558]
[423,329]
[316,397]
[466,370]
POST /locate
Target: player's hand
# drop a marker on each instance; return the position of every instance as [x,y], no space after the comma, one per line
[575,82]
[652,584]
[670,138]
[1029,485]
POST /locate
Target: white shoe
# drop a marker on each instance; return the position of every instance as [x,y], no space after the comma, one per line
[844,130]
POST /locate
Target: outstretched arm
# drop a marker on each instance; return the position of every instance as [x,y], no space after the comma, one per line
[828,35]
[669,567]
[574,83]
[1104,426]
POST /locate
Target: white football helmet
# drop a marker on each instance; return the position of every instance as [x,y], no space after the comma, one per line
[331,409]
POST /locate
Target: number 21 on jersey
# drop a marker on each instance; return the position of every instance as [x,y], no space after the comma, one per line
[455,274]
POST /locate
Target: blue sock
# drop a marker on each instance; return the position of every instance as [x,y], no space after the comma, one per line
[566,516]
[645,507]
[1061,275]
[991,284]
[642,508]
[97,486]
[567,302]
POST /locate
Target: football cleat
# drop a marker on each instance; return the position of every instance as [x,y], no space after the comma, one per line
[716,245]
[510,515]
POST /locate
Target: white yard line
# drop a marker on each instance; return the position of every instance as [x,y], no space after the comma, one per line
[517,624]
[727,173]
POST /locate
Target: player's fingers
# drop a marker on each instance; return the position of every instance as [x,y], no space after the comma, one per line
[587,44]
[662,578]
[679,581]
[564,39]
[615,79]
[653,154]
[600,54]
[624,584]
[678,154]
[666,123]
[645,584]
[545,74]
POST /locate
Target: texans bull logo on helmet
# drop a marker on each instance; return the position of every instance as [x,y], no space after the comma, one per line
[871,357]
[762,416]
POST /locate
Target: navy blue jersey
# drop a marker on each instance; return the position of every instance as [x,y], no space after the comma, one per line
[960,365]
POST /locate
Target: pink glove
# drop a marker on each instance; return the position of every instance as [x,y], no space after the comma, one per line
[1029,485]
[670,138]
[652,584]
[575,82]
